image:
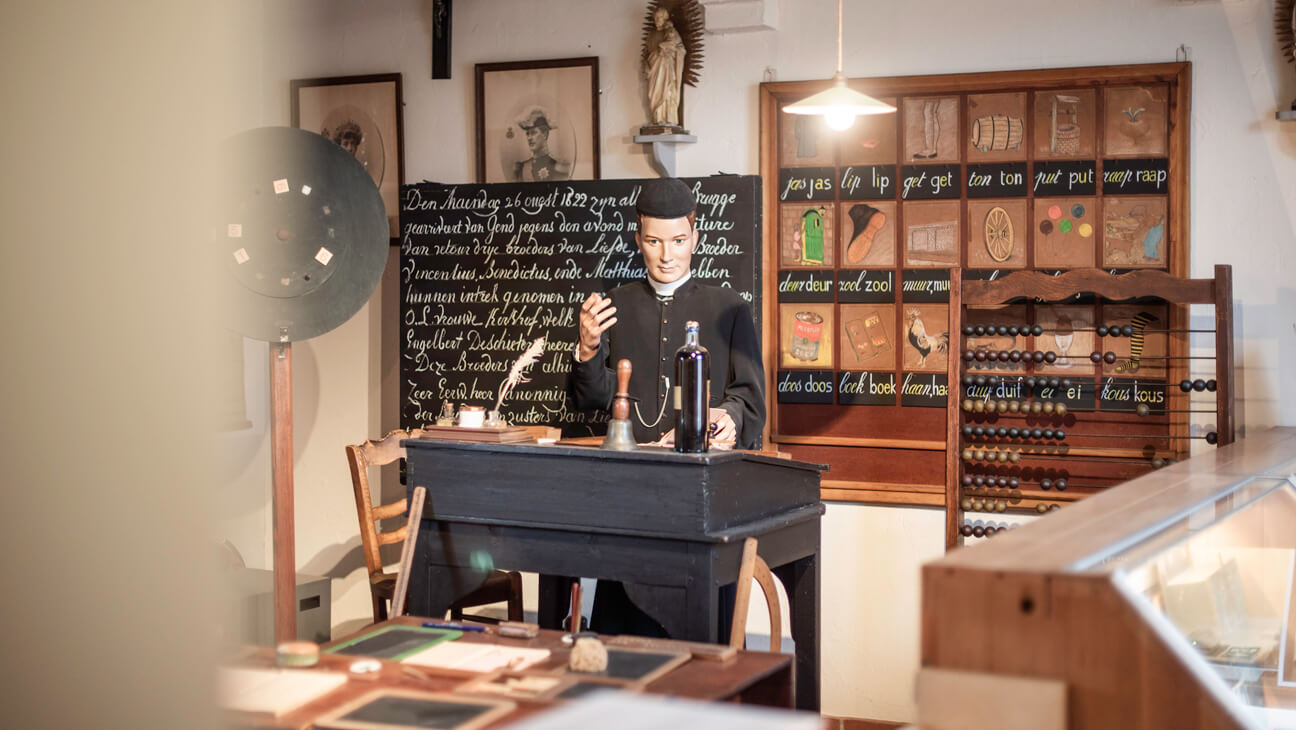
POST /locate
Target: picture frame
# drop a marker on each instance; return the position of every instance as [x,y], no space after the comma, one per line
[537,120]
[364,115]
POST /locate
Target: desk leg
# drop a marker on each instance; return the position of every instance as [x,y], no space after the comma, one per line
[801,578]
[554,601]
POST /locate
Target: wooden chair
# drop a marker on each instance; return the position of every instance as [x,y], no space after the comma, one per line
[753,566]
[500,586]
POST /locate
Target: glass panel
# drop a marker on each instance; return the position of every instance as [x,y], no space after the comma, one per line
[1224,576]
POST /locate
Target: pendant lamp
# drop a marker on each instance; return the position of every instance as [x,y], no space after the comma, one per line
[839,105]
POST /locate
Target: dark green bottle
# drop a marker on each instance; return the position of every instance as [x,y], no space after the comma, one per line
[692,393]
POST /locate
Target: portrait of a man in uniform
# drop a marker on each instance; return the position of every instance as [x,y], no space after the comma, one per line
[536,124]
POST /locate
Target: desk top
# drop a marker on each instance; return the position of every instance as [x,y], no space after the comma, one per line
[753,676]
[644,454]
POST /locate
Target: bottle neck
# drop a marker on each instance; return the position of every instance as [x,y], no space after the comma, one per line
[691,338]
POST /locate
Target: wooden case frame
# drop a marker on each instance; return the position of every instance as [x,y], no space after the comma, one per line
[901,442]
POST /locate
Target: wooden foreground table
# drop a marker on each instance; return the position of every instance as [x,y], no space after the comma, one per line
[750,677]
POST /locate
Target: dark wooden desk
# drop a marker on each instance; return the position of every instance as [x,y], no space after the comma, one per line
[669,525]
[751,677]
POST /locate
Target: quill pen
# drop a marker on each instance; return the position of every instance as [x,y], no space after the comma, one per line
[517,373]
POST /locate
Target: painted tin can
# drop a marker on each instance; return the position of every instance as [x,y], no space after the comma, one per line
[806,333]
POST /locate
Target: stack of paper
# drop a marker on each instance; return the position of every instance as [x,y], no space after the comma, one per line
[274,691]
[469,657]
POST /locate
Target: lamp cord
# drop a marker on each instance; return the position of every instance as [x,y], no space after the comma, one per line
[839,37]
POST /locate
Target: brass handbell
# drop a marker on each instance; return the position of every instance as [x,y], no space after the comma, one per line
[620,437]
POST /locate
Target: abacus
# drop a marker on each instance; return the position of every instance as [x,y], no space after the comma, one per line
[1063,386]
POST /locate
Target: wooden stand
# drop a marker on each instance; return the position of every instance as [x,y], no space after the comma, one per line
[281,467]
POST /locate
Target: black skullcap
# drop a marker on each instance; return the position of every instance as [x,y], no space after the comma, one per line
[666,197]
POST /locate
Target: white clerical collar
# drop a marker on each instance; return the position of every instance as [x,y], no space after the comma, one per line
[668,290]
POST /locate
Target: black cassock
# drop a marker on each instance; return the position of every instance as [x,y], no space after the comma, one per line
[649,331]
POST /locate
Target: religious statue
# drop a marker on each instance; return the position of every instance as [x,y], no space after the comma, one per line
[671,58]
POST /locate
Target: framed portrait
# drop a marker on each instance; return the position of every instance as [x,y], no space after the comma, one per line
[538,120]
[362,114]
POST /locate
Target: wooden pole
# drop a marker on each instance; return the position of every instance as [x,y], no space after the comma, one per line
[281,467]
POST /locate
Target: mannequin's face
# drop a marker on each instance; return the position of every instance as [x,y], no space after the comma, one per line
[667,245]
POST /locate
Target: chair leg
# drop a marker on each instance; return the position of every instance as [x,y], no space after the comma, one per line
[515,596]
[379,607]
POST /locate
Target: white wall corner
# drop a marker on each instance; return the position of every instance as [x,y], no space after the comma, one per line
[740,16]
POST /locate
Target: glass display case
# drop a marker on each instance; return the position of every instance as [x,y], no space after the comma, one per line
[1168,601]
[1221,578]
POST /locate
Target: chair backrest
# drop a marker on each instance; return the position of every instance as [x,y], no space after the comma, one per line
[360,457]
[753,567]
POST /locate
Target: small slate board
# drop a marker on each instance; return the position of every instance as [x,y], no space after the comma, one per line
[393,642]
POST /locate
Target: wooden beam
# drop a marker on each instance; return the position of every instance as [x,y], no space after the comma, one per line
[281,468]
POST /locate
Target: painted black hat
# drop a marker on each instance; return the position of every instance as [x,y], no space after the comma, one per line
[666,197]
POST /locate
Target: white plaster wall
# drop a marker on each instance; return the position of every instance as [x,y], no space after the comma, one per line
[1243,212]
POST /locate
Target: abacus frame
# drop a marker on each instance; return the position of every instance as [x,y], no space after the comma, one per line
[1031,285]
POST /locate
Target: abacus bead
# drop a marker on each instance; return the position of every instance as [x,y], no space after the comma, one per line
[980,355]
[1102,330]
[980,380]
[1061,410]
[1030,381]
[1212,438]
[1012,330]
[1003,457]
[1050,357]
[1060,485]
[1001,406]
[1142,409]
[1211,385]
[1036,407]
[1037,433]
[1001,506]
[1046,483]
[967,430]
[1060,434]
[1158,462]
[1001,432]
[978,330]
[1014,457]
[1128,330]
[1066,382]
[967,405]
[1013,432]
[1113,331]
[1014,356]
[1038,356]
[978,430]
[1013,406]
[979,454]
[1054,383]
[967,454]
[1054,507]
[968,356]
[1037,330]
[1049,406]
[978,531]
[1014,482]
[978,480]
[969,379]
[967,330]
[1094,356]
[993,380]
[1199,386]
[967,480]
[979,406]
[1003,481]
[1002,330]
[1041,508]
[966,530]
[1048,433]
[1185,385]
[965,503]
[1109,357]
[991,356]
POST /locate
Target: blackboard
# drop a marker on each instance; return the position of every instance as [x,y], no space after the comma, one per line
[487,269]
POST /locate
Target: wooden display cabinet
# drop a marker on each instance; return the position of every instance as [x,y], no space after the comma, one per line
[1166,602]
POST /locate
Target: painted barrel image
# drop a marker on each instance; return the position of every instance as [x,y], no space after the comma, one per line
[997,133]
[806,333]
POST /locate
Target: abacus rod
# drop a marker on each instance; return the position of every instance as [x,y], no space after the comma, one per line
[1095,329]
[1032,440]
[1069,457]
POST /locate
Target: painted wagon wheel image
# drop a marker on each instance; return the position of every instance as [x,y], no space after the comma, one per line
[998,234]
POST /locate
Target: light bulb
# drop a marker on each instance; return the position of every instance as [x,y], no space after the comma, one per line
[839,119]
